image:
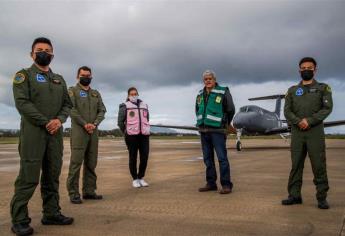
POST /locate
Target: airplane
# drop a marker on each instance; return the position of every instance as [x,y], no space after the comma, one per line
[254,120]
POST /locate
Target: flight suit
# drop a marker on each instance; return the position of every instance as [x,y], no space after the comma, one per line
[88,107]
[313,102]
[39,97]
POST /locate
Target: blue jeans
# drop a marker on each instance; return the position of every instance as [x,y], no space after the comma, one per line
[211,141]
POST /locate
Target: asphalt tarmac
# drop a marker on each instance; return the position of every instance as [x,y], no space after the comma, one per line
[172,205]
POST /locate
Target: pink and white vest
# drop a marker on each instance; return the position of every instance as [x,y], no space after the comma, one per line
[137,119]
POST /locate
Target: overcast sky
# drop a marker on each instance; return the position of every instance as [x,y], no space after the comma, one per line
[162,48]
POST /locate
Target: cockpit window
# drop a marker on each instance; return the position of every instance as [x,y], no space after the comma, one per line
[243,109]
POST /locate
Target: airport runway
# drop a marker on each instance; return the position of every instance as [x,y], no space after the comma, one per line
[173,206]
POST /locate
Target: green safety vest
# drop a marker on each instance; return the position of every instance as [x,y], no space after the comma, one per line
[211,113]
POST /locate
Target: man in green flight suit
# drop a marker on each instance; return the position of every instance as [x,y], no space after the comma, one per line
[306,106]
[87,113]
[42,100]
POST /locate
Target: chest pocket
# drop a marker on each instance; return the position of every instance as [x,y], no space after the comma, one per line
[94,101]
[39,87]
[315,98]
[214,104]
[57,86]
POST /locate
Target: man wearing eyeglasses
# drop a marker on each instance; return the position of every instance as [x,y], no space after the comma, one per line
[307,104]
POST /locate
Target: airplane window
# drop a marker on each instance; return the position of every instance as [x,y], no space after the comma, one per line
[243,109]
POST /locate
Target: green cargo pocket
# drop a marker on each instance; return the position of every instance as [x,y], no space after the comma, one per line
[31,171]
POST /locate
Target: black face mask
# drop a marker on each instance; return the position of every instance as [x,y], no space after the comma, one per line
[307,74]
[43,58]
[85,81]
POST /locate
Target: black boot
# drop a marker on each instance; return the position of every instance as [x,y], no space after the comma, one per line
[58,219]
[292,200]
[323,204]
[92,197]
[22,229]
[76,200]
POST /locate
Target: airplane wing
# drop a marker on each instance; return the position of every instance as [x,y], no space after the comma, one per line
[177,127]
[287,129]
[230,129]
[281,96]
[334,123]
[281,130]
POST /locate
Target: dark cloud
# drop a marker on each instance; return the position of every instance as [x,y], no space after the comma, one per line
[154,43]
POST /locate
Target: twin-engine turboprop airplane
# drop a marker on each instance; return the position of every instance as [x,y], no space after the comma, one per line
[254,120]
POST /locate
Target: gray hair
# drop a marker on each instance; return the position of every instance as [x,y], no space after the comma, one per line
[209,72]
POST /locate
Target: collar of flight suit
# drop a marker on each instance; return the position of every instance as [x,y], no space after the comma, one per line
[80,87]
[39,71]
[308,85]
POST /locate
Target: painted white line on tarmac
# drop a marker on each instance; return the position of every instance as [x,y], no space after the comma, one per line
[190,142]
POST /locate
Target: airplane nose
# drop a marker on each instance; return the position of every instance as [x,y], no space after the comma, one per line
[243,120]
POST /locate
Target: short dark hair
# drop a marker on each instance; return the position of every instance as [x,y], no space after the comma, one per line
[41,40]
[131,89]
[84,68]
[307,59]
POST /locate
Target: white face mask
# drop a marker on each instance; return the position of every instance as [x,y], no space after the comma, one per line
[133,98]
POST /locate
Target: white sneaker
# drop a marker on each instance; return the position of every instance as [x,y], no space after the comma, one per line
[143,183]
[136,183]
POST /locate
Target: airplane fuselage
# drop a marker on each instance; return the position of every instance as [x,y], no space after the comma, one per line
[254,120]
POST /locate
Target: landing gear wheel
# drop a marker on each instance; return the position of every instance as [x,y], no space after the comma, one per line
[239,146]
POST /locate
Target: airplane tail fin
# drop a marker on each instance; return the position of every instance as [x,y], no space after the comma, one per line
[278,98]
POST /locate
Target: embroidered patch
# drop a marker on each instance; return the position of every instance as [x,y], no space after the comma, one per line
[145,113]
[70,93]
[218,99]
[329,89]
[40,78]
[198,99]
[131,114]
[299,92]
[19,78]
[83,94]
[56,81]
[94,94]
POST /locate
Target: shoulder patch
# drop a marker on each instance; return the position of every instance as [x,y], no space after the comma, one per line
[19,78]
[70,93]
[328,89]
